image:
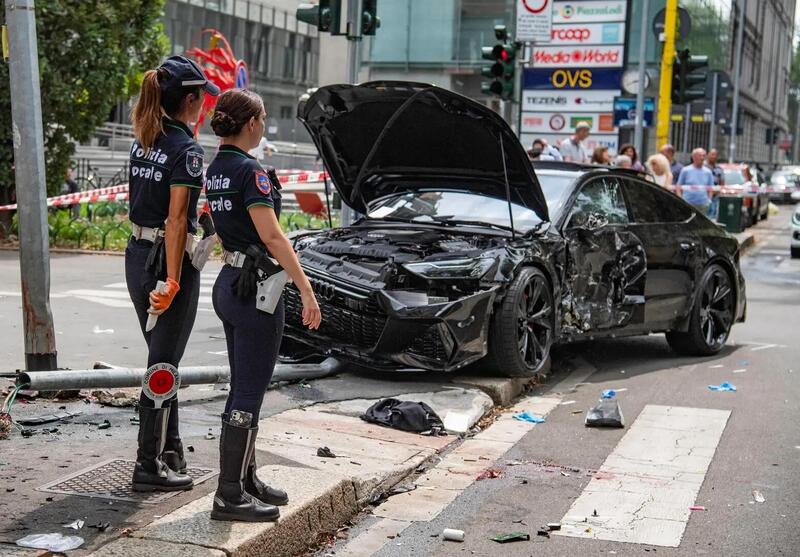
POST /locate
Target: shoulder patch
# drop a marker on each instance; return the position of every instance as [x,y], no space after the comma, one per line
[194,164]
[262,182]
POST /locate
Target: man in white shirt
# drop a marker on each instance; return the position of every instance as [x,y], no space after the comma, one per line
[260,151]
[572,148]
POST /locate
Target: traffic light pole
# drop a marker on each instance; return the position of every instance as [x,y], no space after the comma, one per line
[736,80]
[353,33]
[29,172]
[665,84]
[712,133]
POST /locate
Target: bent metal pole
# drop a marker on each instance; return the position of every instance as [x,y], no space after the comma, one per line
[120,377]
[26,126]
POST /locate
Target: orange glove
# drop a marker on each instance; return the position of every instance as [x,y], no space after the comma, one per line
[160,302]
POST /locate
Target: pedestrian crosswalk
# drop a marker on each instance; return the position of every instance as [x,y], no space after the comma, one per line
[115,294]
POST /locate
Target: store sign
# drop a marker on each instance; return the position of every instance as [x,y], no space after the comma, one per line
[589,11]
[610,56]
[534,19]
[595,140]
[568,100]
[572,78]
[587,34]
[558,122]
[625,111]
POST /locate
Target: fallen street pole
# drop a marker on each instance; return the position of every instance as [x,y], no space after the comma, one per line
[120,377]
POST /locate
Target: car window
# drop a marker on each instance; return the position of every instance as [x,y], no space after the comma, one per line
[650,204]
[601,196]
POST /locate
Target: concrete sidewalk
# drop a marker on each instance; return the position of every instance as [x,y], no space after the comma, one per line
[324,493]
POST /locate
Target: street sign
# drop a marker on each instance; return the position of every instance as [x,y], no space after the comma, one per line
[684,23]
[604,56]
[570,100]
[625,111]
[534,20]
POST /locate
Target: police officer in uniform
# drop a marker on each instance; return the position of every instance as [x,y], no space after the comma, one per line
[245,203]
[165,178]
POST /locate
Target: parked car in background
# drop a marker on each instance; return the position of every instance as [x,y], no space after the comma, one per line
[742,180]
[795,243]
[463,255]
[782,184]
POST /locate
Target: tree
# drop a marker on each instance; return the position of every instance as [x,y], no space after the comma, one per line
[92,54]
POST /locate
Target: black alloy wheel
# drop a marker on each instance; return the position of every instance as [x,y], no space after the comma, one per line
[522,327]
[711,318]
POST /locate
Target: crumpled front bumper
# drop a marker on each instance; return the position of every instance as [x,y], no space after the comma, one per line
[398,329]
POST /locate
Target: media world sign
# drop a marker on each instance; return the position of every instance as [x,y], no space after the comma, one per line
[570,57]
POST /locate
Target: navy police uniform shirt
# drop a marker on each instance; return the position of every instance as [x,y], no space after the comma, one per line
[175,160]
[235,181]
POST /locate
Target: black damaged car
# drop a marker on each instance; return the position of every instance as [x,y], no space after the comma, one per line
[465,254]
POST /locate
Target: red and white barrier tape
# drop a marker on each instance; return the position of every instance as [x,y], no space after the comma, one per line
[120,193]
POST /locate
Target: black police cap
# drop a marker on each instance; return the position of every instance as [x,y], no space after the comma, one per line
[185,73]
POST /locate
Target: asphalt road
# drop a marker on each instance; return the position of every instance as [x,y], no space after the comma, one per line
[758,450]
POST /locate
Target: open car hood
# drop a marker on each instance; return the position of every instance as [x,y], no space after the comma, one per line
[384,137]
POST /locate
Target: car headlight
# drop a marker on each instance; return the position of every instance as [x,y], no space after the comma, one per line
[451,268]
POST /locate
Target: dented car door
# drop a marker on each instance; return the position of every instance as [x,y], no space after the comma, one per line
[606,266]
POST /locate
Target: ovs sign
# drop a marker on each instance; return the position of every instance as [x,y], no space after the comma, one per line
[572,78]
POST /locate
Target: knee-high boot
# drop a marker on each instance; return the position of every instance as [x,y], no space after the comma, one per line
[150,473]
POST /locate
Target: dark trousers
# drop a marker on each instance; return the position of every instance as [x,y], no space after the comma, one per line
[167,341]
[253,338]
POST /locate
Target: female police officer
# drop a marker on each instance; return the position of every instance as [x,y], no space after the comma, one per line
[165,178]
[245,206]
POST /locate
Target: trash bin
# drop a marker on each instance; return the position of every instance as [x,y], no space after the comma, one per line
[730,213]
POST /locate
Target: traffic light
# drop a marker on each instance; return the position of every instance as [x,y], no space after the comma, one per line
[501,72]
[369,17]
[325,16]
[689,72]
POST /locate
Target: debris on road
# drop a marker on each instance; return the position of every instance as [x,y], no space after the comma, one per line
[5,425]
[325,452]
[98,331]
[52,542]
[118,399]
[403,414]
[553,526]
[608,393]
[526,417]
[75,524]
[105,425]
[758,496]
[453,535]
[543,533]
[697,508]
[210,435]
[606,413]
[48,418]
[511,537]
[724,386]
[489,473]
[101,526]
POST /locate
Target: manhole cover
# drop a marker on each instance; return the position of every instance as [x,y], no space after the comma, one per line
[112,480]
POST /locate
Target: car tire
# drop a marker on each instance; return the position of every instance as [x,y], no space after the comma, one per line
[795,253]
[711,317]
[521,331]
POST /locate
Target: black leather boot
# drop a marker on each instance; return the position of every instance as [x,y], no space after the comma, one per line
[150,473]
[231,501]
[258,489]
[173,448]
[255,487]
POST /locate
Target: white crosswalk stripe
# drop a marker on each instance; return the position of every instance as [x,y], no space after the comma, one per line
[116,295]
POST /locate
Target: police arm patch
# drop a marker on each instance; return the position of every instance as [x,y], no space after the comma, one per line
[262,182]
[194,164]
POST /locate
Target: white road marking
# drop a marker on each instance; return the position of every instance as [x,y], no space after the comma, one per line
[739,371]
[764,347]
[716,366]
[643,491]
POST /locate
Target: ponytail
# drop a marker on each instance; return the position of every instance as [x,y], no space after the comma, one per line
[147,112]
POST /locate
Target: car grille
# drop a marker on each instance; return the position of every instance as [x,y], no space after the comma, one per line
[429,344]
[352,321]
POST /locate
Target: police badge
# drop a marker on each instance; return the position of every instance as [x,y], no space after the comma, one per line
[194,164]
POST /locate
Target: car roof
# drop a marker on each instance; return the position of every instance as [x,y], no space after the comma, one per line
[585,168]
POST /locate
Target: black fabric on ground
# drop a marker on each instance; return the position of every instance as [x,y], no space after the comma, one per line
[404,415]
